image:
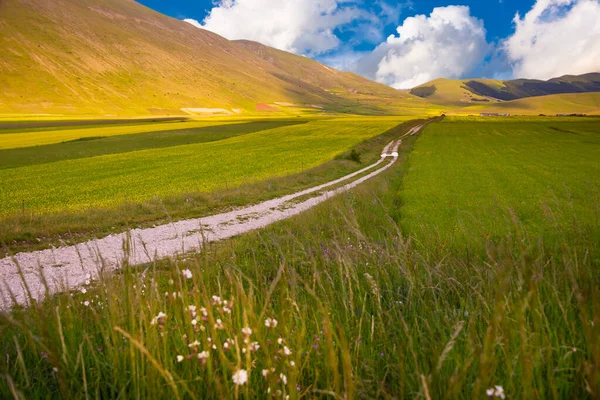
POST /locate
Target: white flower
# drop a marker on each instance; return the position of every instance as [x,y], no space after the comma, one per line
[86,303]
[280,341]
[283,378]
[204,355]
[180,358]
[216,301]
[240,377]
[293,364]
[187,274]
[254,346]
[265,372]
[496,391]
[158,319]
[270,322]
[286,351]
[218,324]
[247,331]
[194,344]
[83,290]
[194,322]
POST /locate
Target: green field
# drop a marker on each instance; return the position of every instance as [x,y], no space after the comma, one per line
[393,290]
[474,178]
[86,174]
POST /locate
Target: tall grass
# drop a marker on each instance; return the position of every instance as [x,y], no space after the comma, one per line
[363,311]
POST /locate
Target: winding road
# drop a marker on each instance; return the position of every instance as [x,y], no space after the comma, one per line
[69,267]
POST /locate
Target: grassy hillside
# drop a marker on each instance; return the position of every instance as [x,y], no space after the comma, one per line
[452,92]
[118,57]
[575,103]
[461,92]
[362,91]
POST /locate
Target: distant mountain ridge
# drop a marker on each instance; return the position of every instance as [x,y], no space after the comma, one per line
[485,90]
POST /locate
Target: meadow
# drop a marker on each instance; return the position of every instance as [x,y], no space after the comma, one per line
[475,178]
[93,185]
[358,298]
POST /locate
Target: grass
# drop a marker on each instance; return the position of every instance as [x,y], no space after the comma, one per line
[41,229]
[12,138]
[93,146]
[472,178]
[364,310]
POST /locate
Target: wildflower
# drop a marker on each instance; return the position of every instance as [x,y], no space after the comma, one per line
[83,290]
[247,332]
[228,343]
[293,364]
[271,323]
[254,346]
[203,312]
[187,274]
[180,359]
[240,377]
[283,378]
[286,351]
[265,372]
[204,355]
[280,341]
[218,324]
[216,301]
[496,391]
[194,344]
[159,319]
[86,303]
[55,369]
[194,322]
[192,310]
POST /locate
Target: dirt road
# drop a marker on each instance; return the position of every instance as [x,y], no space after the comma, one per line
[69,267]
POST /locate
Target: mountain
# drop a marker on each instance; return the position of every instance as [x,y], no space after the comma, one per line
[571,103]
[486,90]
[117,57]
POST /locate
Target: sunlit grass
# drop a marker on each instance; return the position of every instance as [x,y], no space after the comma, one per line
[110,180]
[362,311]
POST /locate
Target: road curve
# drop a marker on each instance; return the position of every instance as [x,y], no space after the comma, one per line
[69,267]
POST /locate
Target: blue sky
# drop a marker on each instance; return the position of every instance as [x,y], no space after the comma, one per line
[497,14]
[406,43]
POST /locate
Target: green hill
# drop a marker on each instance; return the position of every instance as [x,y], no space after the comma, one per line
[117,57]
[576,103]
[461,92]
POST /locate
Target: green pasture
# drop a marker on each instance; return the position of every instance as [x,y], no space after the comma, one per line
[474,179]
[56,177]
[363,310]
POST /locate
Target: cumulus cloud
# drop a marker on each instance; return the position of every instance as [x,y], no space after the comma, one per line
[556,37]
[448,43]
[299,26]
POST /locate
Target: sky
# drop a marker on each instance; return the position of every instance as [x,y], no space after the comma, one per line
[405,43]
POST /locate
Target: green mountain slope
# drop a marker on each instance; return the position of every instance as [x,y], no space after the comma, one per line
[117,57]
[489,91]
[571,103]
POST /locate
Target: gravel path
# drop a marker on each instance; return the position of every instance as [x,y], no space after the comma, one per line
[69,267]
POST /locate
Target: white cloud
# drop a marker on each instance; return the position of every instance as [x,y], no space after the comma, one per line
[556,37]
[449,43]
[299,26]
